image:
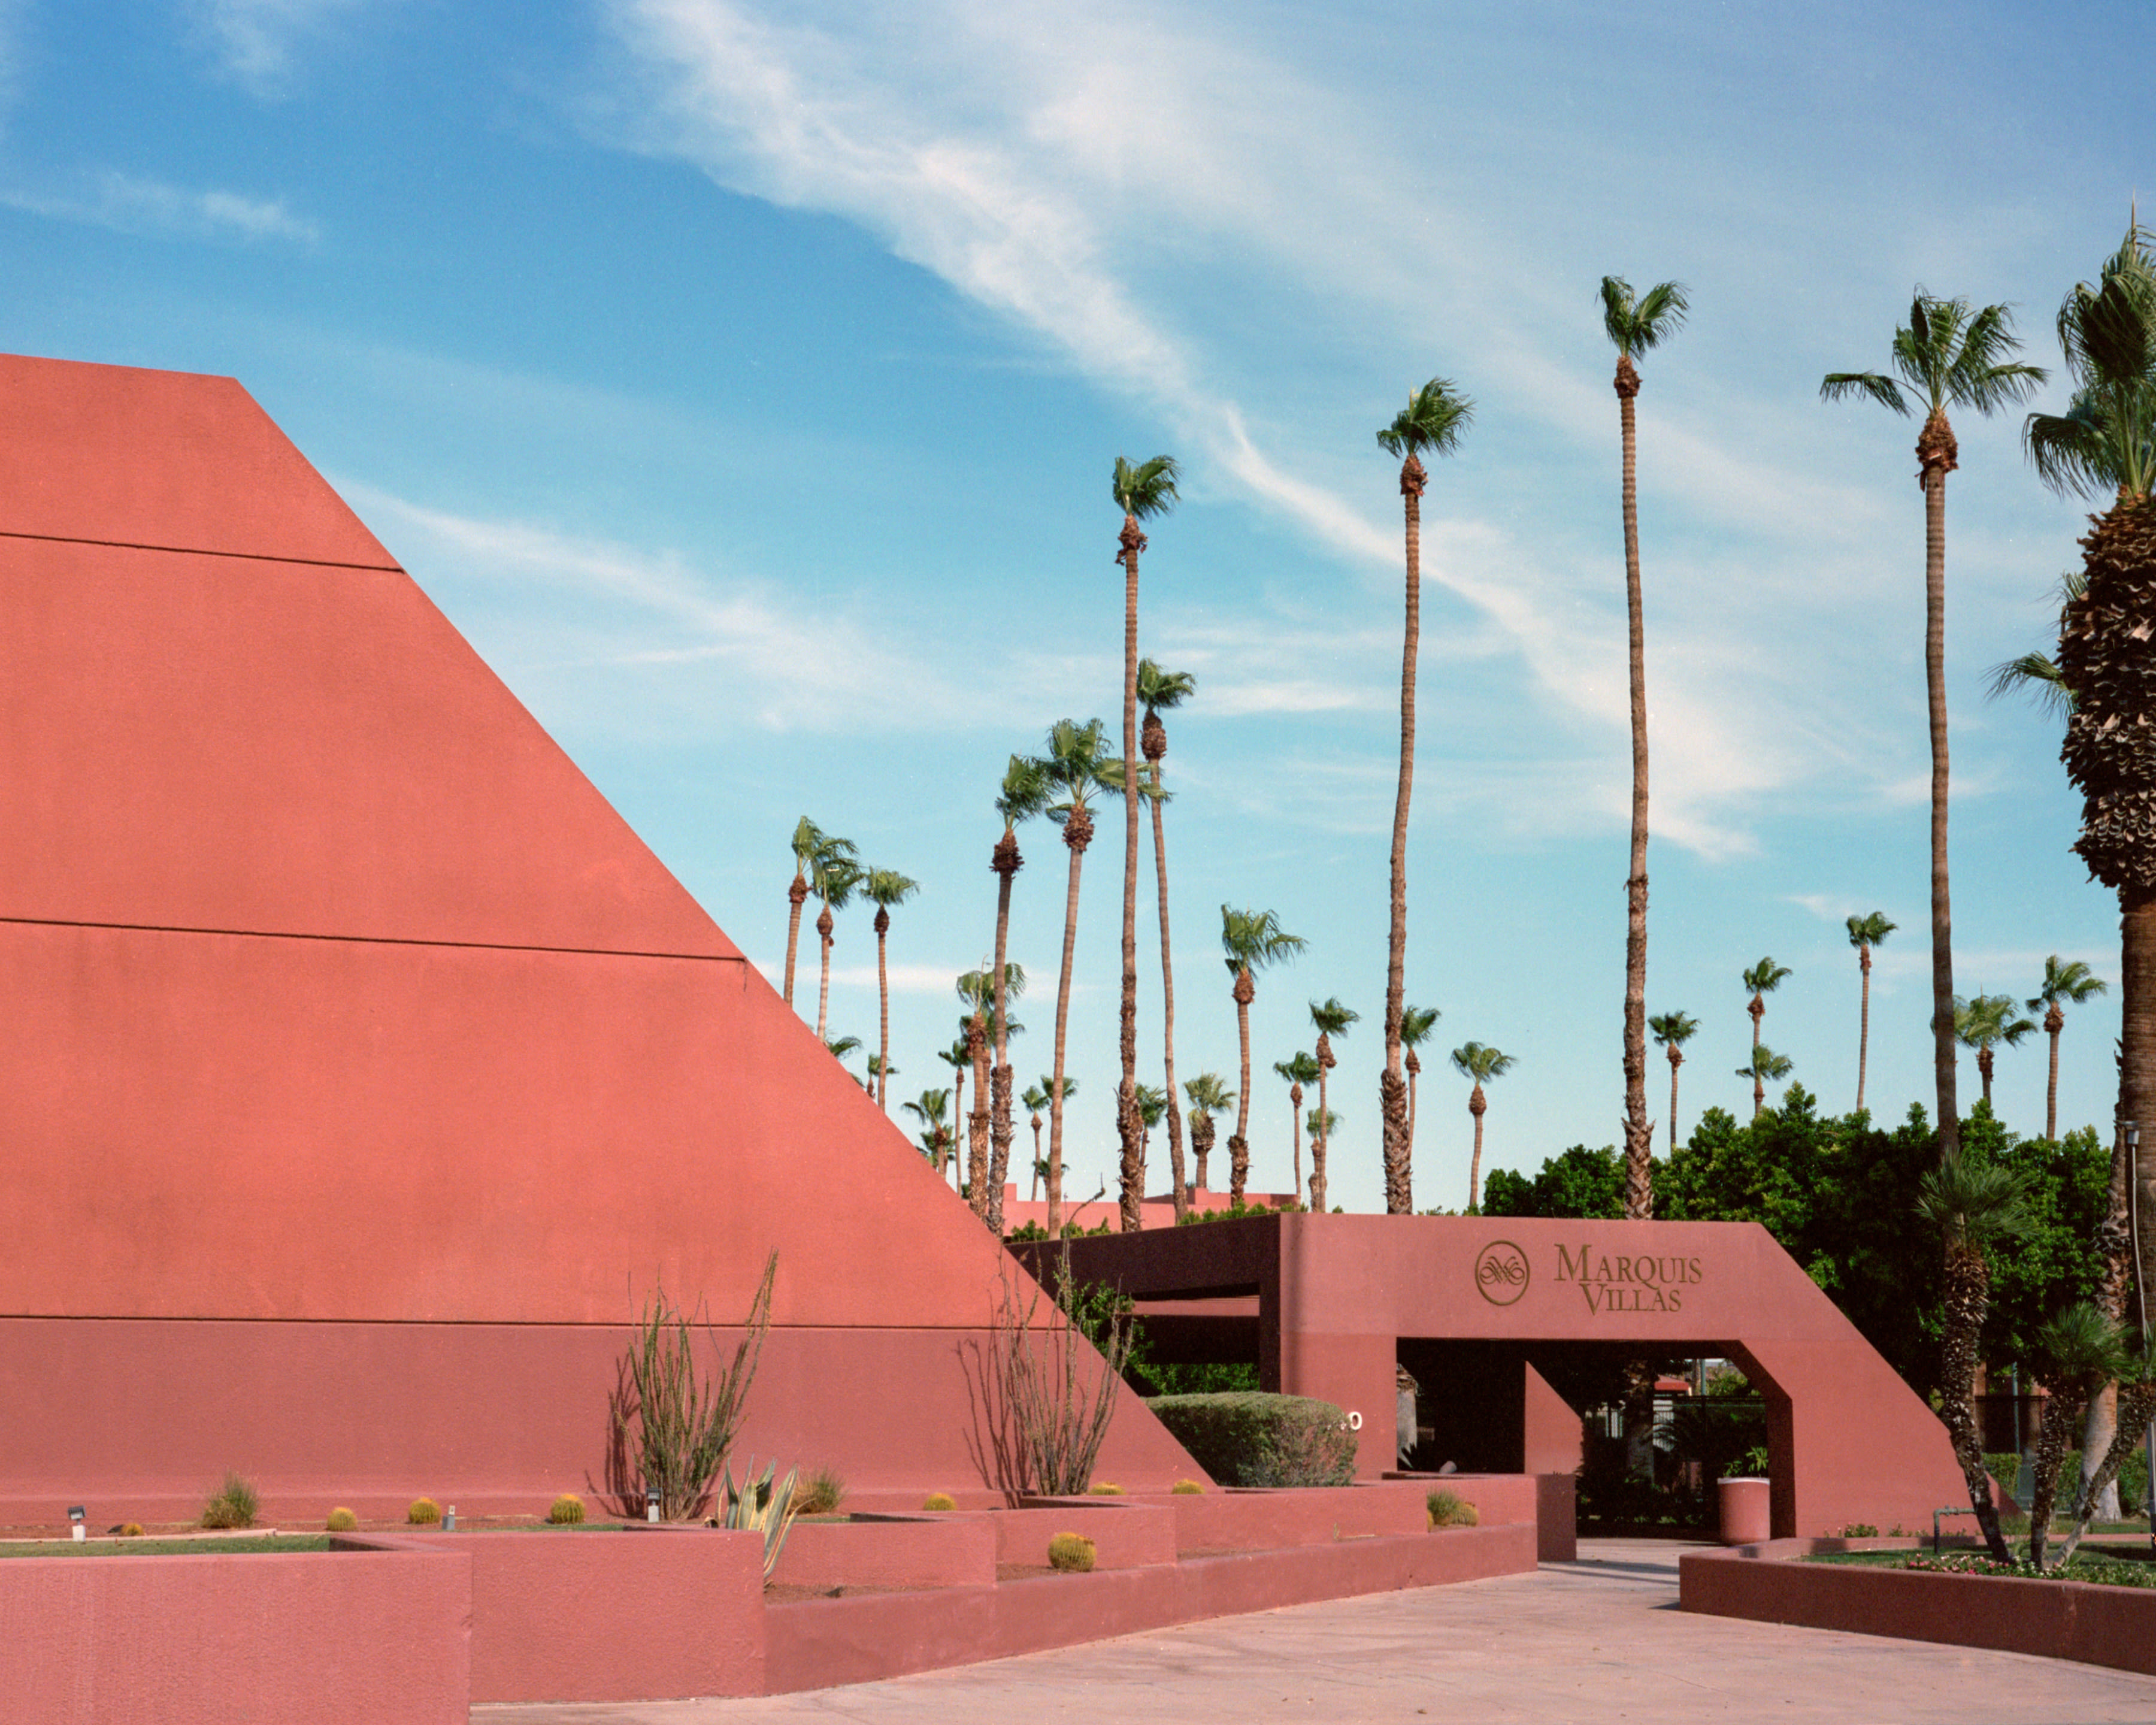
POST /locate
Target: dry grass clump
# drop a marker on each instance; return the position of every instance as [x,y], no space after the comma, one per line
[1449,1509]
[235,1505]
[820,1494]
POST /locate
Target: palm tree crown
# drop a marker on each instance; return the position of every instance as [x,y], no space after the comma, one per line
[2067,983]
[1431,421]
[1765,1066]
[884,888]
[2106,441]
[1950,356]
[1251,940]
[1672,1030]
[1208,1095]
[1636,325]
[1481,1065]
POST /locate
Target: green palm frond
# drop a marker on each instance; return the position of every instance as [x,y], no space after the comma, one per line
[2036,674]
[1147,490]
[833,874]
[2078,1345]
[2070,981]
[1034,1098]
[1331,1018]
[1480,1063]
[1765,976]
[885,887]
[841,1046]
[1634,325]
[1985,1020]
[1255,941]
[977,987]
[1882,389]
[1972,1203]
[1152,1103]
[1078,767]
[1416,1025]
[1432,422]
[1300,1068]
[1207,1092]
[1765,1064]
[1025,791]
[1322,1123]
[1162,691]
[1672,1030]
[1870,929]
[1949,355]
[2106,441]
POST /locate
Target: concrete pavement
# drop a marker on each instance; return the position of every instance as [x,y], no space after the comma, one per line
[1595,1641]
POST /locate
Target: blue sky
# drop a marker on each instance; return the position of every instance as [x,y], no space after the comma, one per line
[743,381]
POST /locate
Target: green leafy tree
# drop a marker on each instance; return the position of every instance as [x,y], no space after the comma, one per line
[1299,1071]
[1252,941]
[1143,492]
[1332,1020]
[1947,355]
[1480,1064]
[1635,324]
[1417,1024]
[884,888]
[1162,691]
[1434,418]
[2066,984]
[1866,932]
[1578,1182]
[1208,1096]
[1765,1067]
[1672,1030]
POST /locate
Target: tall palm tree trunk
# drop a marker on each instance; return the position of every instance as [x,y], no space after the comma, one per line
[1239,1146]
[1966,1295]
[1864,1022]
[1006,862]
[1033,1191]
[1414,1064]
[977,1122]
[1936,453]
[1320,1139]
[1182,1193]
[1983,1071]
[1475,1105]
[1130,1125]
[1077,833]
[1294,1133]
[796,895]
[2137,1076]
[1392,1084]
[883,1012]
[1676,1060]
[1638,1130]
[825,925]
[2054,1022]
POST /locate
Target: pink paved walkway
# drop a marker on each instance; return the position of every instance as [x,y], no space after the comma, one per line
[1576,1644]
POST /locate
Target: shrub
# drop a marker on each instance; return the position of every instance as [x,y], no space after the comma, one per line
[1449,1509]
[1187,1488]
[1251,1438]
[1860,1530]
[820,1494]
[761,1506]
[235,1506]
[939,1500]
[130,1530]
[1071,1552]
[565,1511]
[425,1512]
[671,1420]
[341,1521]
[1105,1489]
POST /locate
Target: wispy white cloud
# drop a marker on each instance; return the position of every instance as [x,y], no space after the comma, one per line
[256,44]
[130,205]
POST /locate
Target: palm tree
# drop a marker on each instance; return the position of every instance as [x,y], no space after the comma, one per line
[1332,1020]
[2104,448]
[1162,691]
[809,844]
[981,1029]
[1866,932]
[1634,324]
[1435,417]
[1252,940]
[1984,1022]
[1672,1030]
[1321,1123]
[2065,984]
[1299,1069]
[1207,1095]
[1761,980]
[884,888]
[1023,795]
[1142,492]
[1036,1098]
[1416,1025]
[1078,768]
[930,1110]
[1152,1108]
[880,1072]
[834,881]
[2078,1352]
[1764,1067]
[1481,1065]
[1948,356]
[959,1058]
[843,1048]
[1971,1204]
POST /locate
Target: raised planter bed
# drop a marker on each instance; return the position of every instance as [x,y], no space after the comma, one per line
[2111,1626]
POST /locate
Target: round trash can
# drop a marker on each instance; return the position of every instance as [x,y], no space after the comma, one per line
[1747,1517]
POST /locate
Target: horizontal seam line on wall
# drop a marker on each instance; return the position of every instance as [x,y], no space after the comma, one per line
[199,551]
[371,940]
[629,1322]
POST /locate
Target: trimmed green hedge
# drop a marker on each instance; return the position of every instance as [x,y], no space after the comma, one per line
[1250,1438]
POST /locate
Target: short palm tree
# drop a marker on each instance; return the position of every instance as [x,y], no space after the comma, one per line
[884,888]
[811,846]
[959,1058]
[1761,980]
[1765,1067]
[1078,768]
[988,1026]
[1321,1124]
[1949,354]
[1022,795]
[1972,1204]
[1299,1071]
[1866,932]
[1035,1099]
[1143,492]
[1985,1022]
[1432,422]
[1208,1096]
[1480,1064]
[1672,1031]
[929,1109]
[837,875]
[880,1072]
[1252,941]
[2076,1352]
[1635,324]
[1163,691]
[2065,984]
[1332,1020]
[1417,1023]
[1152,1108]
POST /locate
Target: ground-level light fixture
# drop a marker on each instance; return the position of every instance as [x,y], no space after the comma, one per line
[77,1528]
[651,1503]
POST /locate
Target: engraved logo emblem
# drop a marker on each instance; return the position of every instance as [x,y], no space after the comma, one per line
[1501,1273]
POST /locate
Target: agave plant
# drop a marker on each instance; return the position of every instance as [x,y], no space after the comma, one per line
[761,1505]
